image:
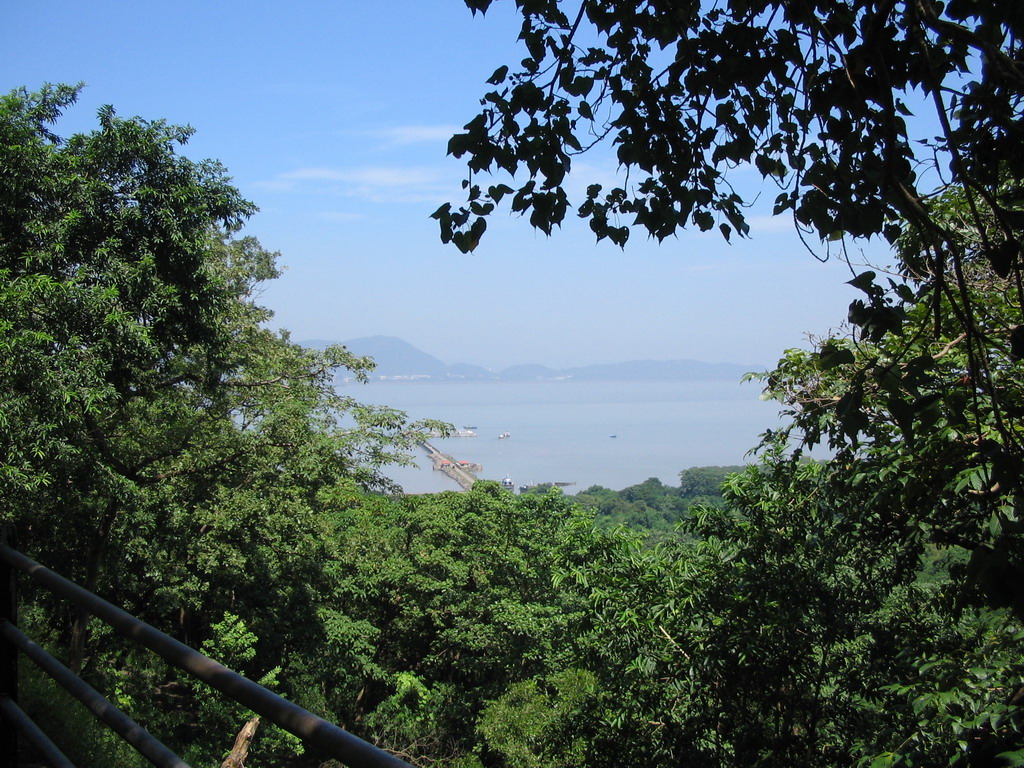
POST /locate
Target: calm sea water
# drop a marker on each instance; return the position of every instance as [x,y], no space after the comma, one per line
[613,434]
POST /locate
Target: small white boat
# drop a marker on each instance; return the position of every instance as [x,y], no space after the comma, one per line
[503,435]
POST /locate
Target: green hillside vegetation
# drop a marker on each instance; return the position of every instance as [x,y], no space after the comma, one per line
[163,448]
[653,506]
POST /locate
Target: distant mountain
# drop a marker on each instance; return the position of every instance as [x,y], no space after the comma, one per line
[395,357]
[398,360]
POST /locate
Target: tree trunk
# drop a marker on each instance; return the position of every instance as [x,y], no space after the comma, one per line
[241,749]
[94,563]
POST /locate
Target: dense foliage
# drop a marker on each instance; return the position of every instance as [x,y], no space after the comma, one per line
[164,448]
[816,95]
[873,118]
[883,118]
[159,445]
[652,506]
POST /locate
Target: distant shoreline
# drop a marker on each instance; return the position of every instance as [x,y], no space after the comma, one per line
[425,379]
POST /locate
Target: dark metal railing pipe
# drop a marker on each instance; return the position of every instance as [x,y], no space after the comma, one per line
[143,741]
[47,750]
[315,731]
[8,656]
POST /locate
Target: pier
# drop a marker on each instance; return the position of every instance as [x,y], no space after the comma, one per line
[462,472]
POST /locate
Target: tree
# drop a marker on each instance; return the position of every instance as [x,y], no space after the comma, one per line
[829,100]
[938,449]
[135,354]
[704,481]
[158,443]
[898,119]
[110,311]
[773,630]
[815,94]
[435,605]
[906,405]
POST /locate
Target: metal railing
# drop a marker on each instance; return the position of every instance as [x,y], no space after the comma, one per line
[314,731]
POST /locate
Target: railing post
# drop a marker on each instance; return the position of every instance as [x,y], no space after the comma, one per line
[8,654]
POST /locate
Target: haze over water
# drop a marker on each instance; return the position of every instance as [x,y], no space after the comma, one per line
[562,431]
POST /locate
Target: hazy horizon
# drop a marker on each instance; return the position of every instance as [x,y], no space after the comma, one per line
[317,343]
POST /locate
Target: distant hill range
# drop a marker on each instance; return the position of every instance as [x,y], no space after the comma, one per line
[400,361]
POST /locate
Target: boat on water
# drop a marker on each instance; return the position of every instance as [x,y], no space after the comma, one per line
[469,426]
[465,433]
[504,435]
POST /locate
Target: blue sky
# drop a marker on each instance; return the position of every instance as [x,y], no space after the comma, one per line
[333,117]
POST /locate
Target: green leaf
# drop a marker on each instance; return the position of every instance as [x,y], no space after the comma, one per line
[832,356]
[1014,758]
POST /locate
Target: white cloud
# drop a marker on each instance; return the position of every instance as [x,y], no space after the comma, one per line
[375,183]
[312,174]
[418,134]
[273,185]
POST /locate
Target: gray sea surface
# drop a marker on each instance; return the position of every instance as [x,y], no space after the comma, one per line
[609,433]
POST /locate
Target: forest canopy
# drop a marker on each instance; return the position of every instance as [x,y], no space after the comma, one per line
[170,452]
[896,119]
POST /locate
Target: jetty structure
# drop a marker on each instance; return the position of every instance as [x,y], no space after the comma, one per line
[465,472]
[462,472]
